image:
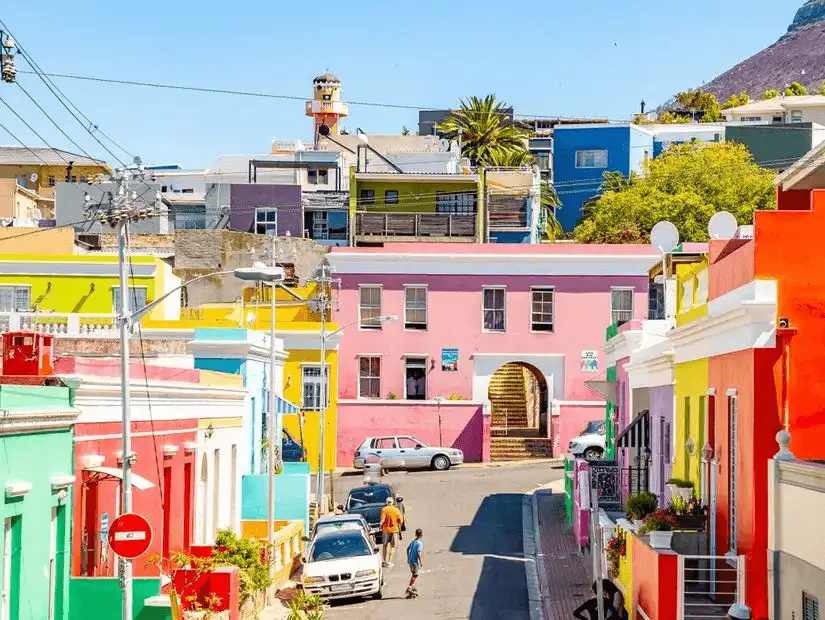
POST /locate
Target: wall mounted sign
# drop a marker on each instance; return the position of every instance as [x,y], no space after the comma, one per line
[590,361]
[449,360]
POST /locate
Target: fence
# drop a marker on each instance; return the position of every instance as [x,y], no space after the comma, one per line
[614,484]
[86,325]
[708,585]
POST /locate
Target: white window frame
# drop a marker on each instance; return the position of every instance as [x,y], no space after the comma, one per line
[319,380]
[733,408]
[423,287]
[116,301]
[417,358]
[809,603]
[18,288]
[597,162]
[265,223]
[375,325]
[503,310]
[543,289]
[369,377]
[797,116]
[614,289]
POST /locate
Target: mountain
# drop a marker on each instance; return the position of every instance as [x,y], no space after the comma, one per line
[798,56]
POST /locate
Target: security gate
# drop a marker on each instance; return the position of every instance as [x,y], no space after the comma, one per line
[709,585]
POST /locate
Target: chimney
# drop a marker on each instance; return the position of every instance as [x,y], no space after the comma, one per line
[643,106]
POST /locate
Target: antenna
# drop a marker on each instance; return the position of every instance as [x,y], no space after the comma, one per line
[722,225]
[664,237]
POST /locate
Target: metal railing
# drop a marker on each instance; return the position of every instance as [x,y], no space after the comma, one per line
[59,324]
[707,585]
[415,224]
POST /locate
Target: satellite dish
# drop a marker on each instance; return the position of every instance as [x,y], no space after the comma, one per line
[722,225]
[664,237]
[33,178]
[443,145]
[323,130]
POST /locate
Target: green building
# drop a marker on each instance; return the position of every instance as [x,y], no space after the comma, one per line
[36,464]
[777,146]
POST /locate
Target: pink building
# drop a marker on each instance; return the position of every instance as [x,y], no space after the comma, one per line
[501,336]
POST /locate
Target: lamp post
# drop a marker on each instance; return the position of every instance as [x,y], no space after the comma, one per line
[389,318]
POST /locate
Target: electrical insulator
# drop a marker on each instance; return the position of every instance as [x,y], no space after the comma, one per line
[9,71]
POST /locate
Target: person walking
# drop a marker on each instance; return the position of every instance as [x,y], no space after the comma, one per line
[615,600]
[391,520]
[414,550]
[591,607]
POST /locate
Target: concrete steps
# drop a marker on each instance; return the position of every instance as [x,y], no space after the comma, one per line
[511,448]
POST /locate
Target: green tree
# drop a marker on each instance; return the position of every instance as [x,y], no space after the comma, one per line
[771,93]
[405,131]
[703,102]
[734,101]
[673,119]
[822,87]
[686,185]
[795,88]
[551,228]
[486,132]
[511,158]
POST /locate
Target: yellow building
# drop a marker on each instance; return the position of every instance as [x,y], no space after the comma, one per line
[691,374]
[18,202]
[40,169]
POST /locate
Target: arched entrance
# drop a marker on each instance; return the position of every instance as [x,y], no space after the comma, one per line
[519,399]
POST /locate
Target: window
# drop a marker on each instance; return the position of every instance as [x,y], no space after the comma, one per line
[369,377]
[415,378]
[493,309]
[317,177]
[810,607]
[751,119]
[777,120]
[732,472]
[621,305]
[455,202]
[137,298]
[391,197]
[415,307]
[543,161]
[312,387]
[591,159]
[51,180]
[327,225]
[386,443]
[541,315]
[164,189]
[266,221]
[73,179]
[656,301]
[796,116]
[369,307]
[15,299]
[188,190]
[190,218]
[408,443]
[367,196]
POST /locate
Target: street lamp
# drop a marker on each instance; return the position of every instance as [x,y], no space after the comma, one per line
[384,318]
[690,446]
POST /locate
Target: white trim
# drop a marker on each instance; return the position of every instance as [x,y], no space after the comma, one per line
[188,446]
[170,450]
[494,287]
[653,372]
[406,355]
[426,307]
[538,288]
[732,392]
[79,269]
[622,345]
[579,403]
[88,461]
[400,401]
[711,391]
[182,431]
[632,290]
[532,263]
[515,357]
[61,482]
[233,349]
[36,421]
[742,319]
[377,327]
[18,489]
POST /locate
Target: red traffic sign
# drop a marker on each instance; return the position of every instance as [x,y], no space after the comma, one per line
[130,535]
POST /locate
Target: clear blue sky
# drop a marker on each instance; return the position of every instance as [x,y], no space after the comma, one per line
[547,58]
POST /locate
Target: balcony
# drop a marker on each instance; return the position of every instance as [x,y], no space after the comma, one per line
[70,325]
[507,212]
[414,226]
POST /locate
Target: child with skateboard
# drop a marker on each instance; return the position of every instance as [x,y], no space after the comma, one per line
[414,550]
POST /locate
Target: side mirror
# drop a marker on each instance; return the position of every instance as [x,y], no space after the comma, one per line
[305,538]
[418,447]
[341,507]
[399,499]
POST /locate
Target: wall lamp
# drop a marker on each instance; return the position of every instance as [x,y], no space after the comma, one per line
[210,430]
[690,446]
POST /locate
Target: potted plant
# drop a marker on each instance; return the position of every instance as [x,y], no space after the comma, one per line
[683,489]
[659,527]
[640,505]
[689,515]
[616,549]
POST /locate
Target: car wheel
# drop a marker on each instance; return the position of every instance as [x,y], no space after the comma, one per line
[592,454]
[380,594]
[441,463]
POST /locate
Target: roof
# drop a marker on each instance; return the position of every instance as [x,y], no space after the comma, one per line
[778,104]
[326,77]
[807,173]
[23,155]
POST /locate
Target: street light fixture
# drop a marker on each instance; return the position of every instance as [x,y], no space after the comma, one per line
[690,447]
[707,453]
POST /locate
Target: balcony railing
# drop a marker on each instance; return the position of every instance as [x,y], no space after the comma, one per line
[415,224]
[71,325]
[506,211]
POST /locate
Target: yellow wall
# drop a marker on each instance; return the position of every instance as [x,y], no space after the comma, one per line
[626,572]
[10,171]
[25,241]
[691,297]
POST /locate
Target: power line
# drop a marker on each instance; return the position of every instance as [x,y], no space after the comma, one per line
[34,131]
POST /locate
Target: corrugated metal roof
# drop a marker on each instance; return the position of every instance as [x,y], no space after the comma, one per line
[20,155]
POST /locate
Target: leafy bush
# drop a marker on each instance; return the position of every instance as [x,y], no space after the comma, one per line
[682,484]
[659,521]
[616,549]
[686,508]
[640,505]
[247,554]
[306,607]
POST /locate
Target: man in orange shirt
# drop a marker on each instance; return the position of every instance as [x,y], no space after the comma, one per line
[391,520]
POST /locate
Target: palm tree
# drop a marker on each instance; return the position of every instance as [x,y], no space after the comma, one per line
[487,134]
[549,203]
[511,159]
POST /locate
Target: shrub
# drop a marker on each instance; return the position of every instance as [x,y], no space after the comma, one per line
[640,505]
[248,555]
[616,549]
[682,484]
[659,521]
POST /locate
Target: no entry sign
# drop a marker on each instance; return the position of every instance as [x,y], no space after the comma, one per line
[130,535]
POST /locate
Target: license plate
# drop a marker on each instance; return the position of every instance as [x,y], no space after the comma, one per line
[347,587]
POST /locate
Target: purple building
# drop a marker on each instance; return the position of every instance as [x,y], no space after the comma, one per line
[266,209]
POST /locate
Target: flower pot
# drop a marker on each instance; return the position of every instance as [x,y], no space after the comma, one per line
[690,522]
[637,523]
[660,540]
[682,493]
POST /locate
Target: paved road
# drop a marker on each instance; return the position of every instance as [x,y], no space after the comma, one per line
[473,560]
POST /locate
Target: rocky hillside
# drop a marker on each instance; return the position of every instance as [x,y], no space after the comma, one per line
[798,56]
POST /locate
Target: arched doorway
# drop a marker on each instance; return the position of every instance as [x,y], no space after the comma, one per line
[519,400]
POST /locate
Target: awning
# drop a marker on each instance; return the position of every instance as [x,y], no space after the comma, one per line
[282,406]
[140,483]
[605,389]
[637,433]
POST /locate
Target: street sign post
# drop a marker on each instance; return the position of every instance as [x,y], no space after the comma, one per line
[130,536]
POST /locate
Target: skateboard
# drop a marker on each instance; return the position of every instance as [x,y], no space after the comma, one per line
[412,593]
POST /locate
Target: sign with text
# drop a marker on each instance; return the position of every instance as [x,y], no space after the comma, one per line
[449,360]
[130,535]
[590,361]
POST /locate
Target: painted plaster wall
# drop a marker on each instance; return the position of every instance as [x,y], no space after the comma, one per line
[217,501]
[661,413]
[101,598]
[732,265]
[654,580]
[244,199]
[292,495]
[461,425]
[691,393]
[413,197]
[35,458]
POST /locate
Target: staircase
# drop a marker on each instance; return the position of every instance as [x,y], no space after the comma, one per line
[511,448]
[508,397]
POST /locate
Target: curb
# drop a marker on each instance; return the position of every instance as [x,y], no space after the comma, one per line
[535,571]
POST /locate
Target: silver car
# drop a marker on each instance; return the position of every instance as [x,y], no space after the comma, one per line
[405,452]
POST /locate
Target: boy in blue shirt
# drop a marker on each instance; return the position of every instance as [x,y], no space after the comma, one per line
[414,550]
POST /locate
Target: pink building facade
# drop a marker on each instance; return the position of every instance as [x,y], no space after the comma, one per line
[464,312]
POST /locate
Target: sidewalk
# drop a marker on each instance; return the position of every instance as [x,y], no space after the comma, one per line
[564,574]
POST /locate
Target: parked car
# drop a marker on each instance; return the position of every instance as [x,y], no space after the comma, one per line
[340,522]
[368,501]
[342,564]
[590,443]
[291,450]
[406,452]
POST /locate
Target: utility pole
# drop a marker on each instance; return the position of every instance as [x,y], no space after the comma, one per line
[123,207]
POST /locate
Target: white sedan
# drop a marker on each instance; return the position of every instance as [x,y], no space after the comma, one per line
[342,564]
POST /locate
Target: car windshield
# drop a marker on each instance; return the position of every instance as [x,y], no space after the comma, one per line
[367,495]
[592,427]
[337,525]
[346,545]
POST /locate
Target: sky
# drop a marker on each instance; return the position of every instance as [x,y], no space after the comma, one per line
[548,58]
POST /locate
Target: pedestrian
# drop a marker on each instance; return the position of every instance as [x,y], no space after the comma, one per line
[590,607]
[391,520]
[615,600]
[415,561]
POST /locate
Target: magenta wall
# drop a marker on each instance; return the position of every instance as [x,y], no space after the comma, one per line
[462,425]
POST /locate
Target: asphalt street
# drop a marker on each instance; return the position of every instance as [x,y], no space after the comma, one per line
[473,557]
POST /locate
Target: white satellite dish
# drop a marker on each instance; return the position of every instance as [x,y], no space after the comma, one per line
[33,178]
[722,225]
[443,145]
[664,237]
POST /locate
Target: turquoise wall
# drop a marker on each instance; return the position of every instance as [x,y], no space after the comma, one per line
[99,597]
[291,495]
[35,458]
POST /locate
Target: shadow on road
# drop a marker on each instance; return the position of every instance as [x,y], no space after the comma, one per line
[496,534]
